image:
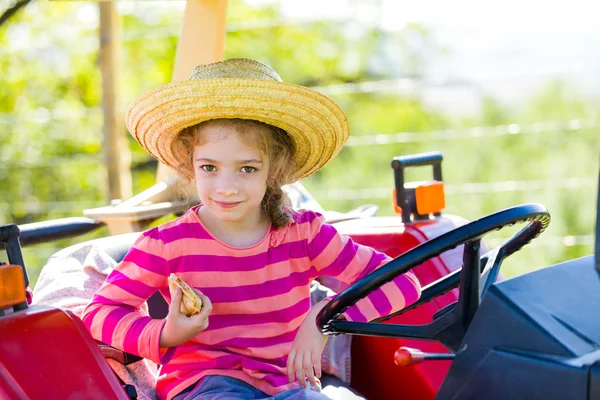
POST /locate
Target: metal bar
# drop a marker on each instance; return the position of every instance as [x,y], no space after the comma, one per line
[47,231]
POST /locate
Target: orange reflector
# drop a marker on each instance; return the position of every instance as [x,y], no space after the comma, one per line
[397,209]
[12,286]
[430,197]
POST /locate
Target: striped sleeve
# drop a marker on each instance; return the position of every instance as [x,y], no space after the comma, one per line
[116,314]
[338,256]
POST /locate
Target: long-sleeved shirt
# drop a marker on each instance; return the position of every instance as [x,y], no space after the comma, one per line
[260,296]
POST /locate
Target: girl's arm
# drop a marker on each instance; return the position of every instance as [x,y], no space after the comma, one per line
[116,315]
[338,256]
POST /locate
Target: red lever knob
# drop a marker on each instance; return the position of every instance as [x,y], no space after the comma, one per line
[406,356]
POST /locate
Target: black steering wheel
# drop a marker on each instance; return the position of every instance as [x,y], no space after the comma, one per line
[475,278]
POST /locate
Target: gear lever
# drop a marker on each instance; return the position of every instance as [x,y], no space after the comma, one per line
[406,356]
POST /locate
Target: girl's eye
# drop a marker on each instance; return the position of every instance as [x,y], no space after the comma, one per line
[208,168]
[248,170]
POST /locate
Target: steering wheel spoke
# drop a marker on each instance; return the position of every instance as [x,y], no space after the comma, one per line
[384,330]
[468,298]
[493,261]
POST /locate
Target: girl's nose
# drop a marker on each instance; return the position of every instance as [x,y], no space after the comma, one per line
[227,187]
[227,191]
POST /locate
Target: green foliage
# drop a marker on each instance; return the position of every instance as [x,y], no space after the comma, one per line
[51,121]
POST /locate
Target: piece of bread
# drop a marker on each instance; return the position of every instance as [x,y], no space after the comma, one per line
[190,301]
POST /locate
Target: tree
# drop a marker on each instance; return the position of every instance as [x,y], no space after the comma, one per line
[50,124]
[11,11]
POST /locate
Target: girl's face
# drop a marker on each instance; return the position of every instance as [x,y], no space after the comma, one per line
[231,177]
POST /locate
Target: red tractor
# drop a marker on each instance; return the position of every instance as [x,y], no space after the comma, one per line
[536,336]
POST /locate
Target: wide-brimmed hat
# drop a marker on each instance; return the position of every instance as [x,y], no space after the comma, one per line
[246,89]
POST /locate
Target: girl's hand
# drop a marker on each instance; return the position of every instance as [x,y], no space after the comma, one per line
[304,359]
[180,328]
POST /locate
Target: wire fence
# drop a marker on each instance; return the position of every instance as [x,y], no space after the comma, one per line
[94,159]
[44,207]
[374,139]
[477,188]
[464,188]
[473,132]
[44,116]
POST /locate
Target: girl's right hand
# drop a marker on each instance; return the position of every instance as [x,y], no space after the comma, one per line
[181,328]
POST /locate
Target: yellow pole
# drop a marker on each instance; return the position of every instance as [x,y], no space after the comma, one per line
[202,38]
[202,41]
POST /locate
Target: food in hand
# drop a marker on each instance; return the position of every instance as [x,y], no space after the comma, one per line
[190,301]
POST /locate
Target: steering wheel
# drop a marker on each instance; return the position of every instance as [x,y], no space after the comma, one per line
[475,278]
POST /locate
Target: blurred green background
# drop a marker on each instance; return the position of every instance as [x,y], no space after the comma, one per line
[542,147]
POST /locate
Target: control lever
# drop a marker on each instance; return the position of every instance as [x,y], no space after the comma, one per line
[406,356]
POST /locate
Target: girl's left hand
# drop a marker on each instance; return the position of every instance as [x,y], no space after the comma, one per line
[304,359]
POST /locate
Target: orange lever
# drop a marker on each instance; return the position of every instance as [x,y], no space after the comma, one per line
[406,356]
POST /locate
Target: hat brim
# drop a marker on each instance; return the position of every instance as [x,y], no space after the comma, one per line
[316,124]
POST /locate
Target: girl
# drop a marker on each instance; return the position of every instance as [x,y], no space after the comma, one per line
[240,133]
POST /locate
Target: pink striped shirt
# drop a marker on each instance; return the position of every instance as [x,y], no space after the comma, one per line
[260,296]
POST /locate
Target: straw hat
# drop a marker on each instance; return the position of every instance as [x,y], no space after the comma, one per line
[240,88]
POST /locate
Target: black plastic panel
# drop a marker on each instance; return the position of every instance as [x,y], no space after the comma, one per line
[594,393]
[534,337]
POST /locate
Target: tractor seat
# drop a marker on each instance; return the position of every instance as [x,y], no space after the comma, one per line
[118,246]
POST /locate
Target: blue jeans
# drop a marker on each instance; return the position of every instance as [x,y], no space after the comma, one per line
[216,387]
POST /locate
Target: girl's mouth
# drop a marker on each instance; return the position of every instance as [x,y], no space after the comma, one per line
[227,204]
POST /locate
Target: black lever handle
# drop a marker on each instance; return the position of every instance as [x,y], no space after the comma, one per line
[399,164]
[9,235]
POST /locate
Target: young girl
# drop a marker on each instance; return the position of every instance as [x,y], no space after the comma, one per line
[240,133]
